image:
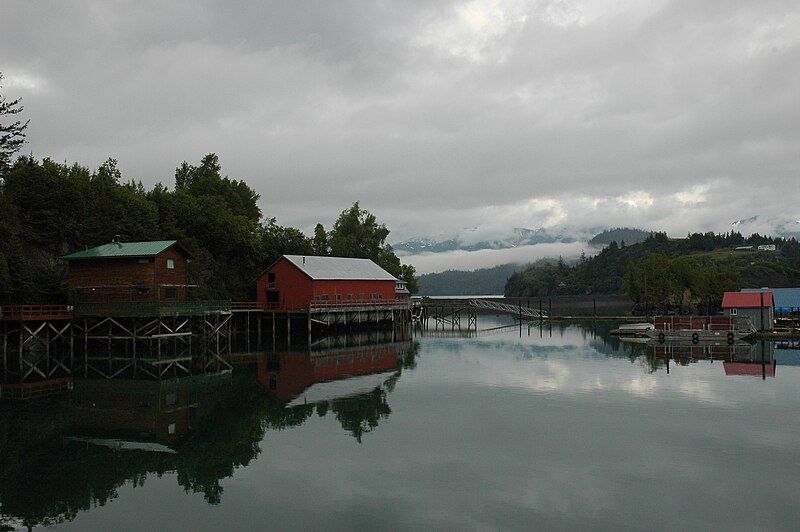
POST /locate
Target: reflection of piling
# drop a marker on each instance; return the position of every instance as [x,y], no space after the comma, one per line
[128,340]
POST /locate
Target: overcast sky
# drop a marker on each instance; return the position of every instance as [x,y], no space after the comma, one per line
[437,116]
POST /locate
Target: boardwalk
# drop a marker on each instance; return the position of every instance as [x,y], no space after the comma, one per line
[450,311]
[505,308]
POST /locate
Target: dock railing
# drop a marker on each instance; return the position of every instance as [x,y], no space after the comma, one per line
[245,306]
[153,308]
[357,304]
[35,312]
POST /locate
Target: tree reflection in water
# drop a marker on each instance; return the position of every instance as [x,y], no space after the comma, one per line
[214,428]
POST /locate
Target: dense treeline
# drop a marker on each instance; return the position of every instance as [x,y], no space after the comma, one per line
[483,281]
[48,209]
[619,234]
[672,274]
[683,285]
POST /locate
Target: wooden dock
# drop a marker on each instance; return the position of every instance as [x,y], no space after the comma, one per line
[41,344]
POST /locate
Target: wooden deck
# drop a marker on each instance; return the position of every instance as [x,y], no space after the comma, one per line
[331,307]
[35,313]
[246,306]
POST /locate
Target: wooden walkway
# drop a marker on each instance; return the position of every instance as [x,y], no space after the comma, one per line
[505,308]
[35,313]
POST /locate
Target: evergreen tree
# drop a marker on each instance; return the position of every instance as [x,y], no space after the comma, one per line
[320,244]
[12,131]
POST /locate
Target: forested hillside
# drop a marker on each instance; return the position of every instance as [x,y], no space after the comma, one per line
[48,209]
[669,273]
[483,281]
[621,235]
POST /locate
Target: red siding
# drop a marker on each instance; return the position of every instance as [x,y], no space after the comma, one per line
[293,286]
[354,288]
[298,371]
[296,289]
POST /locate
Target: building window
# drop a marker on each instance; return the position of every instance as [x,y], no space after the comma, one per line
[170,264]
[170,293]
[172,399]
[171,428]
[143,261]
[143,290]
[734,311]
[338,297]
[271,280]
[349,297]
[362,296]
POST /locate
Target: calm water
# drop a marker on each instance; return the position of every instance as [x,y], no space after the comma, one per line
[562,428]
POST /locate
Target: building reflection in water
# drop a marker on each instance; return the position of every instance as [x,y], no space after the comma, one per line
[137,414]
[348,375]
[67,455]
[332,368]
[738,359]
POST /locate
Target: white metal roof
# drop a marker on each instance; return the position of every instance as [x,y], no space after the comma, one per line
[339,268]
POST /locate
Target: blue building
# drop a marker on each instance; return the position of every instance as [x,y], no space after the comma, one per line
[786,300]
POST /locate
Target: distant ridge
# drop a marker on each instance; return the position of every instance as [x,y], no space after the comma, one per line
[619,235]
[484,281]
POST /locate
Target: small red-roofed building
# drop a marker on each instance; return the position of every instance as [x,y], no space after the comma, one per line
[757,306]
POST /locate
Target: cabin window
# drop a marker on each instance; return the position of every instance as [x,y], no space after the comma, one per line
[143,290]
[143,261]
[273,297]
[171,293]
[271,279]
[362,296]
[338,297]
[734,311]
[349,297]
[171,428]
[172,399]
[170,264]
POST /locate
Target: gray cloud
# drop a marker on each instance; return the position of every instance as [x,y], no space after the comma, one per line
[679,115]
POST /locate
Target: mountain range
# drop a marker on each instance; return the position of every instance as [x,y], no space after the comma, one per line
[519,236]
[468,240]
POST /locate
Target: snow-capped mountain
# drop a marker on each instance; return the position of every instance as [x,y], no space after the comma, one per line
[767,226]
[470,240]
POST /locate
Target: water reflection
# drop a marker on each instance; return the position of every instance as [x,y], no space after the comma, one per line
[557,425]
[348,375]
[67,455]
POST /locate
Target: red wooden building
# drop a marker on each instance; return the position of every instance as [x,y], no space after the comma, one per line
[129,272]
[296,283]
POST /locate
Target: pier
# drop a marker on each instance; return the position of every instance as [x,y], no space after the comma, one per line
[45,346]
[450,313]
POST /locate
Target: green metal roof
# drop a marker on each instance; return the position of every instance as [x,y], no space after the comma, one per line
[123,249]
